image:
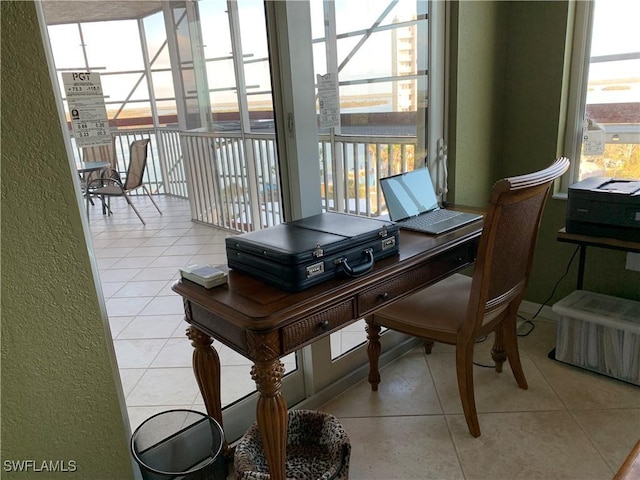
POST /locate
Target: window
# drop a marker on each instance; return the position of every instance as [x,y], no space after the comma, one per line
[606,137]
[385,65]
[381,60]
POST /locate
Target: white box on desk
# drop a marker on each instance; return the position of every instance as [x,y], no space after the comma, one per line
[600,333]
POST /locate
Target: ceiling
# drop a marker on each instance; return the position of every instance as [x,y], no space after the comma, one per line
[66,11]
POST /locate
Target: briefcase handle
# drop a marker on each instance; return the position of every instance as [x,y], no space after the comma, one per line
[361,269]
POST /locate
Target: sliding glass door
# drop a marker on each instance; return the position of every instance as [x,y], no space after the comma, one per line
[387,62]
[270,134]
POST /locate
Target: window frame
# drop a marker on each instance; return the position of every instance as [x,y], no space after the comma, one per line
[579,42]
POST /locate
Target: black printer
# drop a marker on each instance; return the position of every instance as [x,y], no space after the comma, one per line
[605,207]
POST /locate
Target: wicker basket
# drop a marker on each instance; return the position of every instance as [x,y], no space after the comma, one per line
[318,448]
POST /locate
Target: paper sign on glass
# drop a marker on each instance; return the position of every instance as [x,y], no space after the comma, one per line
[593,141]
[87,110]
[328,98]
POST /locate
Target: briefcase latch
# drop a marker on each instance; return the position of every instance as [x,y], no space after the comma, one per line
[388,243]
[315,269]
[383,233]
[318,251]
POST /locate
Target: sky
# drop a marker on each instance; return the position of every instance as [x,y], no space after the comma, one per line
[616,29]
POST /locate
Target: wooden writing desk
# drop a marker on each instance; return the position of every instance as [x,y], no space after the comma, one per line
[264,323]
[588,240]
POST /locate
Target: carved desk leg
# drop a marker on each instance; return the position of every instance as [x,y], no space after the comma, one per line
[373,351]
[271,413]
[206,367]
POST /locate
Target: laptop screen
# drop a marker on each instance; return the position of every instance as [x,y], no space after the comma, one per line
[409,194]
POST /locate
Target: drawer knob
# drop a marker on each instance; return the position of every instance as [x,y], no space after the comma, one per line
[383,296]
[324,325]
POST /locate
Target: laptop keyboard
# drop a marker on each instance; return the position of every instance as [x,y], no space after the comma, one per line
[429,218]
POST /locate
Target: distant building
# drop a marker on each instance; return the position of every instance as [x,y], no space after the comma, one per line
[404,62]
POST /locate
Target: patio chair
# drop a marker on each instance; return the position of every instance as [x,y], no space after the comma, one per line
[101,153]
[111,185]
[97,153]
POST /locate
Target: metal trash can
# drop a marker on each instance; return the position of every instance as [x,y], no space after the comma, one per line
[180,444]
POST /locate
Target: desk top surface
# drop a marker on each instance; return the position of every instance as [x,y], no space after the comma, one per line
[252,304]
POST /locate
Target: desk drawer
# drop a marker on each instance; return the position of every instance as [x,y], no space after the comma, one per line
[449,262]
[313,327]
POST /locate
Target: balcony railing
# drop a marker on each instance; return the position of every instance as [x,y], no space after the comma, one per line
[351,167]
[232,179]
[165,173]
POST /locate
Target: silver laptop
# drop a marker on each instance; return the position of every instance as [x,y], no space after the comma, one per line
[412,204]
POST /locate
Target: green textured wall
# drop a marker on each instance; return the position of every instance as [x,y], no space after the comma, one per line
[519,47]
[477,83]
[535,60]
[59,394]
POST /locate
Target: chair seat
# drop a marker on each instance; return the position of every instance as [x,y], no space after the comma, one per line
[439,308]
[107,190]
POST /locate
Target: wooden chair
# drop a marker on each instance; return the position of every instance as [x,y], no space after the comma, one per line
[111,185]
[459,309]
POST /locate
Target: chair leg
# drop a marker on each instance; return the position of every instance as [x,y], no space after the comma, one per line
[498,353]
[151,198]
[126,197]
[106,205]
[428,345]
[373,351]
[464,369]
[510,336]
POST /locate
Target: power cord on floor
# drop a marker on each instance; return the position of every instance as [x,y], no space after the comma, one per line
[529,321]
[553,292]
[480,340]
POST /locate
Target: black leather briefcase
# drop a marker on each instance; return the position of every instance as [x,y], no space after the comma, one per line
[297,255]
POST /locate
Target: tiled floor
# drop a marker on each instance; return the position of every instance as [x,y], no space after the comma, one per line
[137,266]
[569,424]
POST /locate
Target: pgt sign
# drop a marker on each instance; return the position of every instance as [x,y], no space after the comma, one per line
[79,76]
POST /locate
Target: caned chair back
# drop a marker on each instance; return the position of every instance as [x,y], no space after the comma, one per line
[506,249]
[137,164]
